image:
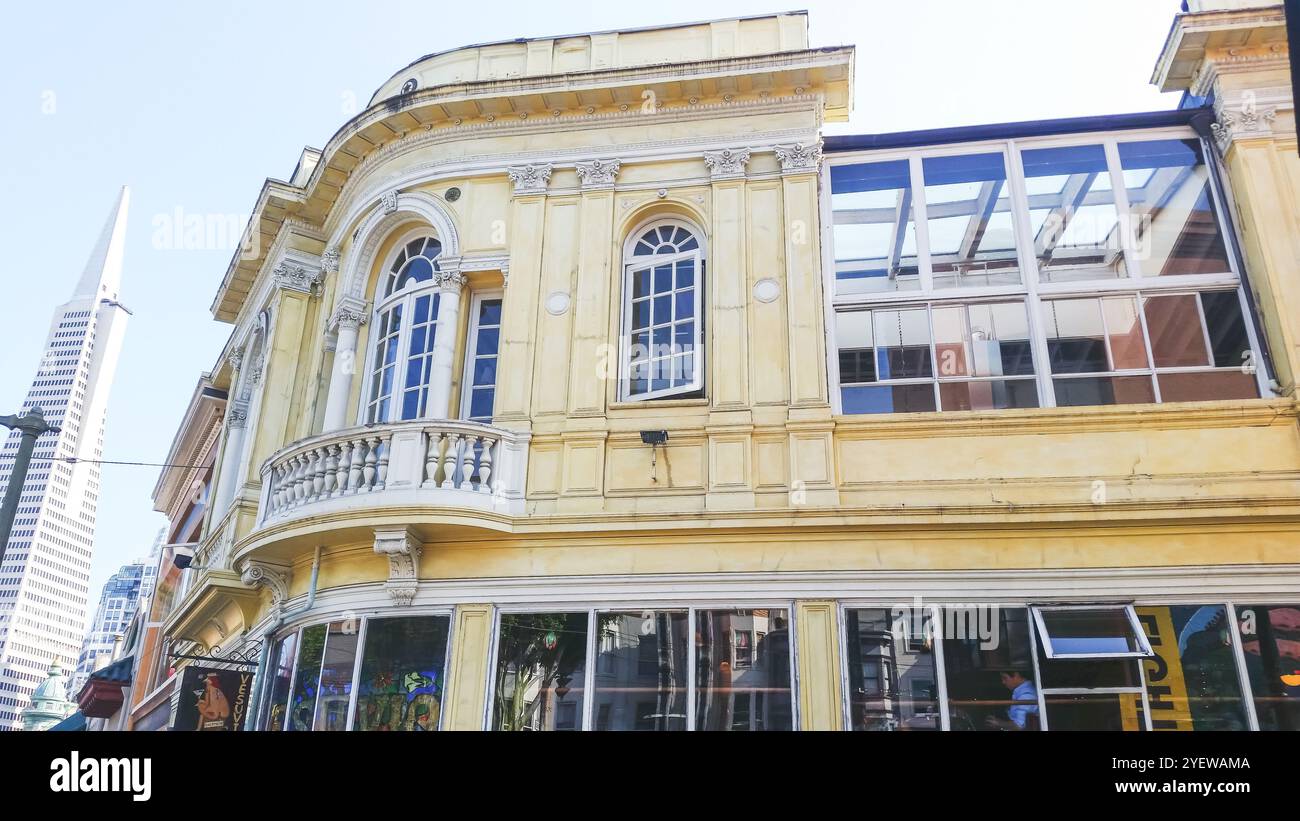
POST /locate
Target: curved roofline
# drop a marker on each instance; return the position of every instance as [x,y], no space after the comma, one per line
[634,29]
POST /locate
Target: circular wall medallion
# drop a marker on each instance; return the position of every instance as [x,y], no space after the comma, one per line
[557,303]
[767,290]
[453,194]
[410,85]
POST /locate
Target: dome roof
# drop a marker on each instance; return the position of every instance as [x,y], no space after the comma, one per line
[54,688]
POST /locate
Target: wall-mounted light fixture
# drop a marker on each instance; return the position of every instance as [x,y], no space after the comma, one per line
[654,438]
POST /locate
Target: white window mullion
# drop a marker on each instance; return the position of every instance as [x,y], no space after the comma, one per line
[924,265]
[1128,228]
[1039,351]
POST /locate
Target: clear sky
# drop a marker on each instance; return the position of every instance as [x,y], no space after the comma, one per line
[194,104]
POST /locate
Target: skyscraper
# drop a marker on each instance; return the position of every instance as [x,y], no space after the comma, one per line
[124,591]
[43,579]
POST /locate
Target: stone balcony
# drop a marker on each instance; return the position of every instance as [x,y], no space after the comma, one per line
[423,463]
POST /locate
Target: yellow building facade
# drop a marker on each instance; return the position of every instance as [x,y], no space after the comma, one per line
[578,384]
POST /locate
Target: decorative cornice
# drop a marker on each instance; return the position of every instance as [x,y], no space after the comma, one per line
[729,163]
[274,577]
[402,549]
[293,277]
[799,158]
[598,174]
[530,179]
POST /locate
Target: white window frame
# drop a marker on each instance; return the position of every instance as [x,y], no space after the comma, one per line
[471,351]
[634,264]
[358,659]
[593,650]
[1032,289]
[1144,647]
[406,297]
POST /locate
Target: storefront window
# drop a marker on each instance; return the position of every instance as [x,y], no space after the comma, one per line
[641,671]
[336,676]
[541,672]
[742,669]
[1191,680]
[282,678]
[893,683]
[302,705]
[989,669]
[403,673]
[1270,639]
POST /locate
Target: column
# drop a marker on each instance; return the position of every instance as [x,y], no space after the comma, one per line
[468,672]
[590,304]
[519,313]
[228,479]
[450,285]
[799,167]
[347,322]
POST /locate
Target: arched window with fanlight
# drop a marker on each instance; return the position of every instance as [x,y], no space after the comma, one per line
[663,335]
[406,324]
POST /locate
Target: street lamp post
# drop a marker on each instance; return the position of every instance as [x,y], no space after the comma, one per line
[31,425]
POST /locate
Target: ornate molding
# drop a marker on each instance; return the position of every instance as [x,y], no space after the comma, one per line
[729,163]
[274,577]
[237,415]
[598,174]
[449,280]
[403,552]
[294,277]
[530,179]
[1244,123]
[799,158]
[329,261]
[388,202]
[236,359]
[350,314]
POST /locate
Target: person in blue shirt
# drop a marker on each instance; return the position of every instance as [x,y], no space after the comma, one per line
[1024,698]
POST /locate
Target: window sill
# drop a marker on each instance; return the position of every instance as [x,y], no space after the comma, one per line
[659,403]
[1167,416]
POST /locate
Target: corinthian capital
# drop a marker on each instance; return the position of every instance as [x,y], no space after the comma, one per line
[729,163]
[530,179]
[351,314]
[598,174]
[799,158]
[293,277]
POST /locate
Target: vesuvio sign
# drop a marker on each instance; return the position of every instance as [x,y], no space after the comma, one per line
[213,699]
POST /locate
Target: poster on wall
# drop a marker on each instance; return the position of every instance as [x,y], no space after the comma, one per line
[213,699]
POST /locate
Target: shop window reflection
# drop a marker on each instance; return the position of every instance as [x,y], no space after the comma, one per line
[1191,680]
[1270,638]
[641,681]
[541,670]
[743,681]
[893,684]
[403,674]
[990,679]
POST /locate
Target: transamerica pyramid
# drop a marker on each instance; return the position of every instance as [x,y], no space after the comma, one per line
[46,569]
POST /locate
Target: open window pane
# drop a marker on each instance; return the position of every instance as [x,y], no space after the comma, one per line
[1072,214]
[541,672]
[968,213]
[1176,224]
[403,673]
[641,671]
[1192,681]
[742,669]
[874,228]
[893,683]
[1090,632]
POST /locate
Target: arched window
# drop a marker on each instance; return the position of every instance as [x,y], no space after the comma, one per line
[406,323]
[662,340]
